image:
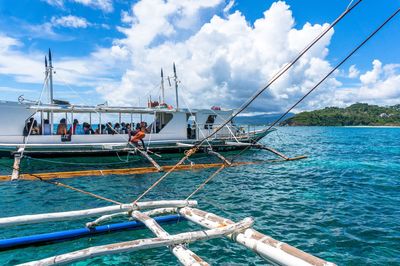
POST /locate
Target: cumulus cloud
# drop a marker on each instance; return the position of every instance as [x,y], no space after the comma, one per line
[70,22]
[97,68]
[225,60]
[221,59]
[372,76]
[353,72]
[380,85]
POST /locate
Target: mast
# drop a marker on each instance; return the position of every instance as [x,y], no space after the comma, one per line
[46,74]
[50,71]
[162,87]
[176,88]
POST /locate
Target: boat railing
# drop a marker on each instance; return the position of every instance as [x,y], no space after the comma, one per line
[230,132]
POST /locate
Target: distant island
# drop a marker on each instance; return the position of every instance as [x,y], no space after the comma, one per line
[264,119]
[359,114]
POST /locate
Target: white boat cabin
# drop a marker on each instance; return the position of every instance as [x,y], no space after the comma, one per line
[163,124]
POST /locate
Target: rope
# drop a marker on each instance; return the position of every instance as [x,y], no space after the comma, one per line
[59,184]
[305,96]
[188,153]
[206,181]
[285,69]
[247,103]
[31,127]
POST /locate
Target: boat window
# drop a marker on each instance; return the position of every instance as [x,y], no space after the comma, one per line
[162,119]
[191,126]
[210,121]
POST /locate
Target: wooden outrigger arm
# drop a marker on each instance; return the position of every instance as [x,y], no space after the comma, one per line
[219,155]
[17,162]
[148,157]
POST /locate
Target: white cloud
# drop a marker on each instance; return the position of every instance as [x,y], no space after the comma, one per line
[373,75]
[224,61]
[228,7]
[221,59]
[97,68]
[353,72]
[70,22]
[380,85]
[7,42]
[104,5]
[56,3]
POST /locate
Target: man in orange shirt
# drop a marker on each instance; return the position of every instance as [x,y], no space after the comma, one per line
[138,136]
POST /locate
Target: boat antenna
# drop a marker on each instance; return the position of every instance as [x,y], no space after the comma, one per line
[46,74]
[162,87]
[50,71]
[176,87]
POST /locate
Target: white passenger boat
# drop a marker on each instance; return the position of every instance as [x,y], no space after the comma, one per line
[167,126]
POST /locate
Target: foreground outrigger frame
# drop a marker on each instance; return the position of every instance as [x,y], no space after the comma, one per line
[268,248]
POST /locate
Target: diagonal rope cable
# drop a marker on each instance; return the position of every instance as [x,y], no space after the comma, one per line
[251,99]
[56,183]
[305,95]
[285,68]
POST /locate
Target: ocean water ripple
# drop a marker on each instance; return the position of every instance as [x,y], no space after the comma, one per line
[342,203]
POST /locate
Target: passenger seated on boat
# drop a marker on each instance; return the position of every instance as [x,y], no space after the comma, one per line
[109,129]
[46,127]
[137,126]
[117,128]
[73,129]
[87,129]
[123,128]
[138,136]
[210,121]
[28,126]
[100,129]
[62,127]
[35,129]
[128,128]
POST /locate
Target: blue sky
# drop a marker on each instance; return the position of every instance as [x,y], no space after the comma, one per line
[112,50]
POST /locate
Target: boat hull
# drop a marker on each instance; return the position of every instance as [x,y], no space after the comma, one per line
[122,147]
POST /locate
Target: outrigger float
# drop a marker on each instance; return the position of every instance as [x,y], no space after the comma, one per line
[142,213]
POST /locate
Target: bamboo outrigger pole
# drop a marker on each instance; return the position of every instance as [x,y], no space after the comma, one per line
[61,216]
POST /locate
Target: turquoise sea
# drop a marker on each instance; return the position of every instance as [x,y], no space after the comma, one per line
[342,203]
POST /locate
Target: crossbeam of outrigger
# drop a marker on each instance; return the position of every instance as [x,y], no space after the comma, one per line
[215,227]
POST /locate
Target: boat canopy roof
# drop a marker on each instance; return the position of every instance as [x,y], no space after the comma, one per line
[112,109]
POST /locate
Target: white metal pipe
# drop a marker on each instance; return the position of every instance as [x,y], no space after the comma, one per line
[270,249]
[141,244]
[59,216]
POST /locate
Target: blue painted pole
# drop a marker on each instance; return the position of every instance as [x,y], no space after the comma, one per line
[48,238]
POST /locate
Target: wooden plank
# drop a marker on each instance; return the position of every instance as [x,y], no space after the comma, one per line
[274,151]
[274,251]
[16,165]
[222,158]
[123,171]
[129,246]
[151,160]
